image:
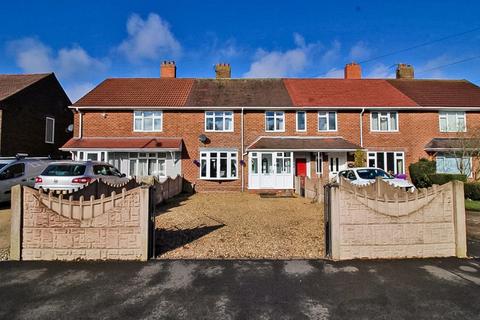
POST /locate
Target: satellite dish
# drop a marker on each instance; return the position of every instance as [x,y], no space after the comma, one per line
[70,128]
[202,138]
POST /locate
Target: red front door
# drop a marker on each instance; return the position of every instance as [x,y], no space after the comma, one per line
[301,167]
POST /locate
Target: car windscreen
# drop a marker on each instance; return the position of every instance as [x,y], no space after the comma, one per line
[370,174]
[2,165]
[64,170]
[105,170]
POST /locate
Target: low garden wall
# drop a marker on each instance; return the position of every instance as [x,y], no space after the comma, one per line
[116,226]
[380,221]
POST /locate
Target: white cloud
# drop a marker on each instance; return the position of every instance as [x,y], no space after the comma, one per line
[148,39]
[78,90]
[332,55]
[381,71]
[33,56]
[334,73]
[359,51]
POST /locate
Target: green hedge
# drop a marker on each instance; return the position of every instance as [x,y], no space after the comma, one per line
[442,178]
[419,172]
[472,190]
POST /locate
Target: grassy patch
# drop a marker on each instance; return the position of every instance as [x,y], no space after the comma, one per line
[472,205]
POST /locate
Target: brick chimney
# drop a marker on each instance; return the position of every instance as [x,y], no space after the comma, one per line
[223,70]
[168,69]
[405,71]
[353,71]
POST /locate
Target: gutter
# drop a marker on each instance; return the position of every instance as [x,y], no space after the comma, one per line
[80,124]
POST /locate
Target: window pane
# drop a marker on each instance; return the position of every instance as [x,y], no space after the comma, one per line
[157,124]
[460,123]
[142,167]
[322,123]
[266,163]
[228,124]
[393,121]
[213,167]
[279,123]
[218,123]
[270,124]
[148,124]
[301,121]
[209,113]
[332,125]
[383,123]
[147,113]
[152,167]
[390,162]
[443,124]
[223,168]
[254,165]
[279,165]
[286,165]
[380,160]
[375,121]
[138,124]
[269,113]
[162,168]
[203,172]
[452,121]
[233,168]
[133,167]
[400,166]
[209,125]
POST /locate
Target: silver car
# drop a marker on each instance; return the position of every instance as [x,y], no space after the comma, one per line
[72,175]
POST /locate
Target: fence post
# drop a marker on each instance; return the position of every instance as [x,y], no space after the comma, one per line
[16,223]
[459,219]
[145,212]
[335,222]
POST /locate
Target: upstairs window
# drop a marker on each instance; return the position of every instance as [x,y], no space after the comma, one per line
[219,121]
[49,130]
[452,121]
[147,121]
[275,121]
[327,121]
[301,121]
[384,121]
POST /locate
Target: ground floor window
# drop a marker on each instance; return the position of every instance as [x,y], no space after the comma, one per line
[283,162]
[392,162]
[453,164]
[148,164]
[218,165]
[318,163]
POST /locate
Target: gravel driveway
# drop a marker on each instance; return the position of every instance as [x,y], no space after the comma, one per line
[239,225]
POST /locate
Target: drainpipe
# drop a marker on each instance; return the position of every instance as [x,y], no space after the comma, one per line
[241,138]
[80,124]
[361,127]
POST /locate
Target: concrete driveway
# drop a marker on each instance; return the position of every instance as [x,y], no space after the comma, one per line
[299,289]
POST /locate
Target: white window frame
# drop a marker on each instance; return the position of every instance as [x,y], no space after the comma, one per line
[458,115]
[319,163]
[47,119]
[142,118]
[231,155]
[389,124]
[155,157]
[372,155]
[325,114]
[276,115]
[296,121]
[224,117]
[445,156]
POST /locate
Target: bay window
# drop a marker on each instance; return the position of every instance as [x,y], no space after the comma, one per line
[452,121]
[384,121]
[219,121]
[275,121]
[144,164]
[327,121]
[147,121]
[452,164]
[218,165]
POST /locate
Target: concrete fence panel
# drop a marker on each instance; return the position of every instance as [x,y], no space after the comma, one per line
[381,221]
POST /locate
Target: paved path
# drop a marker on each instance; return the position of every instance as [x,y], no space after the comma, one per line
[413,289]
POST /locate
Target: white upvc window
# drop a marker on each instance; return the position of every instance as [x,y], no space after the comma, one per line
[452,121]
[49,130]
[318,163]
[219,121]
[327,121]
[275,121]
[390,161]
[384,121]
[218,165]
[451,164]
[147,121]
[144,164]
[301,121]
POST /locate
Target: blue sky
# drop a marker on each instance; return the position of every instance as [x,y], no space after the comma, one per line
[84,42]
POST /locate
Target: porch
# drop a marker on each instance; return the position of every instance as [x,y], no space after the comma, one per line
[274,162]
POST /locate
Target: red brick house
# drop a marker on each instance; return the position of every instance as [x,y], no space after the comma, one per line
[34,115]
[239,134]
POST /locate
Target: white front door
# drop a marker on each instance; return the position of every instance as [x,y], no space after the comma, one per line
[337,161]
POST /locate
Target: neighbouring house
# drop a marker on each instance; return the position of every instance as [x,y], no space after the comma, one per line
[34,115]
[238,134]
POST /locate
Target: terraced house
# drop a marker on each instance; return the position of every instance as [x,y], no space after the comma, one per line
[251,134]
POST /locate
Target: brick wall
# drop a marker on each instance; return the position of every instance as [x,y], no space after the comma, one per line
[114,228]
[380,221]
[416,129]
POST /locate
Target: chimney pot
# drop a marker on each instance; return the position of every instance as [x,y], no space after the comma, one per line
[405,71]
[168,69]
[223,71]
[353,71]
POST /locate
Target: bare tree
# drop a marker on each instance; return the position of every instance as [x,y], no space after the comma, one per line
[465,149]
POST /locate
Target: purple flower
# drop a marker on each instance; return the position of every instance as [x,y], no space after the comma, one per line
[196,162]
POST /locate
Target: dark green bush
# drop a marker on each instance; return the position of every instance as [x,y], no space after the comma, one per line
[442,178]
[472,190]
[419,172]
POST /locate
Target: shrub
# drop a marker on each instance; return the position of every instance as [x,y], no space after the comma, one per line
[419,172]
[359,157]
[472,190]
[442,178]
